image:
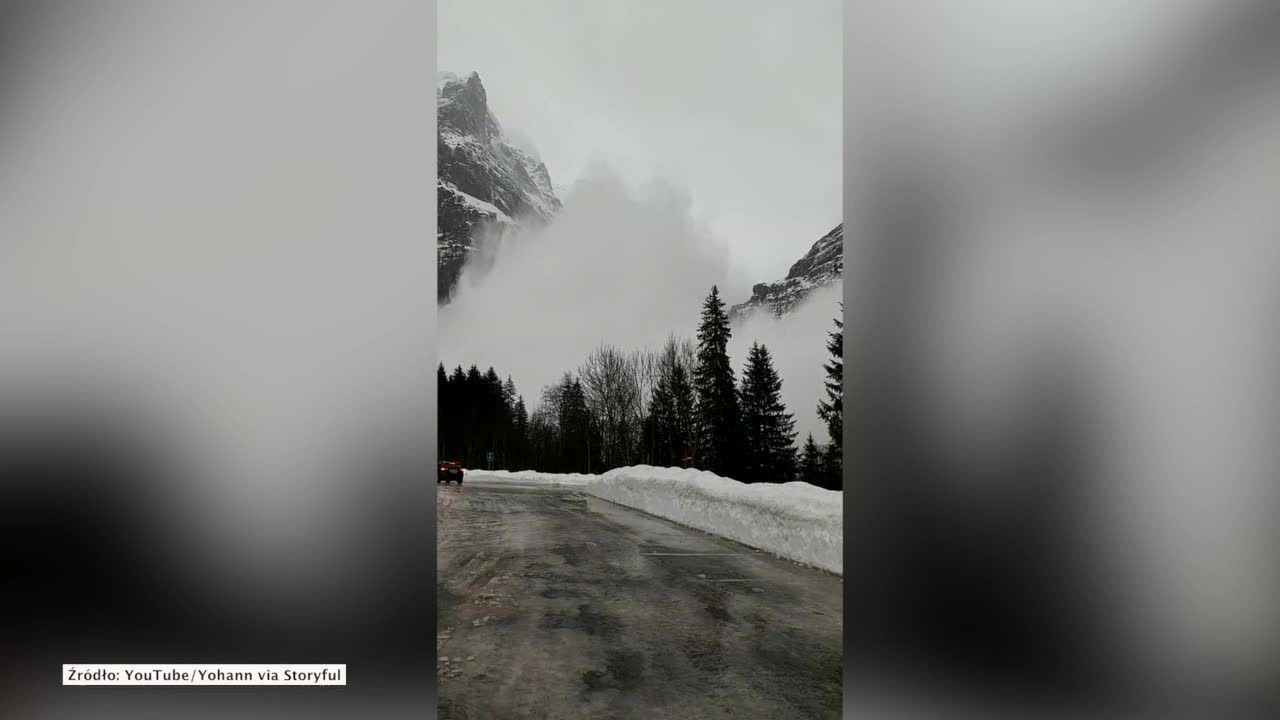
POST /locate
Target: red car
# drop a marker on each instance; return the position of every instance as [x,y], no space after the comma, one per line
[450,471]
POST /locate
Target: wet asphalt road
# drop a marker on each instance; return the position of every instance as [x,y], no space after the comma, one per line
[556,604]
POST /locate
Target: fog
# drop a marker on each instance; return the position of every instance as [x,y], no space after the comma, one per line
[798,344]
[739,103]
[618,265]
[621,265]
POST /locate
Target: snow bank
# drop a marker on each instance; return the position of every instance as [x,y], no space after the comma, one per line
[794,520]
[525,477]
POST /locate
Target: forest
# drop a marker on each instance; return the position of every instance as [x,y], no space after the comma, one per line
[679,405]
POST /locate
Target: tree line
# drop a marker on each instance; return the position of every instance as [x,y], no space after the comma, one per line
[681,404]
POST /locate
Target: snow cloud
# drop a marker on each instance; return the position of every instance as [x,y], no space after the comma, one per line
[619,264]
[798,344]
[738,102]
[626,266]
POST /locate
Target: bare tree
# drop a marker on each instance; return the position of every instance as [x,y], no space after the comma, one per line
[553,398]
[686,353]
[609,382]
[647,369]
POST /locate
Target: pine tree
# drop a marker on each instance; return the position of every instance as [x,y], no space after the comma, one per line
[451,416]
[575,427]
[716,394]
[493,413]
[832,468]
[811,462]
[509,393]
[662,420]
[682,404]
[443,412]
[671,404]
[521,450]
[505,421]
[831,410]
[472,392]
[769,451]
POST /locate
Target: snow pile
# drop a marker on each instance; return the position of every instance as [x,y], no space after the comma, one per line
[526,477]
[794,520]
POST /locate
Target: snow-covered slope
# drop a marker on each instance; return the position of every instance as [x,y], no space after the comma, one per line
[822,265]
[482,177]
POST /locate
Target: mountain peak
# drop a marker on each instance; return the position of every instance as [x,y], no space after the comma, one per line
[470,88]
[822,265]
[463,105]
[483,176]
[475,87]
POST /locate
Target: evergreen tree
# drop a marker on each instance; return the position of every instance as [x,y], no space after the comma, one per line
[682,403]
[493,413]
[443,411]
[520,459]
[451,413]
[472,425]
[480,412]
[831,410]
[769,452]
[575,427]
[509,394]
[671,405]
[672,415]
[506,423]
[718,429]
[662,421]
[832,468]
[811,462]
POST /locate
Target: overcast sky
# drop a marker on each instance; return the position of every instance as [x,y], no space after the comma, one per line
[737,102]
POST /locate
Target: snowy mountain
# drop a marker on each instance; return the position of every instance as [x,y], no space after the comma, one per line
[822,265]
[483,177]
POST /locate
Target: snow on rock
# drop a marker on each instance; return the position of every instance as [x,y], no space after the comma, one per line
[488,210]
[821,266]
[526,477]
[794,520]
[482,175]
